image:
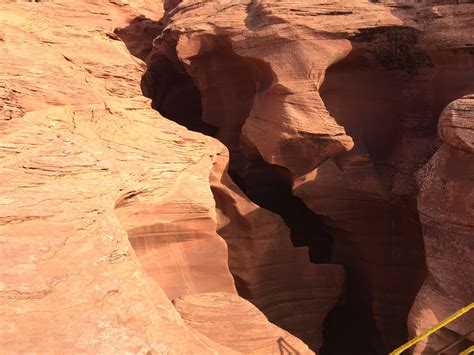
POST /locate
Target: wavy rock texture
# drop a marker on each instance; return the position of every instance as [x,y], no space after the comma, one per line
[367,196]
[106,210]
[243,328]
[344,97]
[175,236]
[446,210]
[281,281]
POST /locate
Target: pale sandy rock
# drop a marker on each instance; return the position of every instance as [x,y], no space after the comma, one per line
[83,161]
[456,124]
[175,237]
[237,324]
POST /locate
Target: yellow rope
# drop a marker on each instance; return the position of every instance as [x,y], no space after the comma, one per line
[434,329]
[468,351]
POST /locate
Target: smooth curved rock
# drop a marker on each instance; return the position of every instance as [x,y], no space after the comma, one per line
[367,196]
[278,278]
[455,125]
[447,215]
[236,324]
[176,239]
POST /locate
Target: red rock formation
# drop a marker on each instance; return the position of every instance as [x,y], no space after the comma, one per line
[299,93]
[281,295]
[175,238]
[139,36]
[108,210]
[376,178]
[447,215]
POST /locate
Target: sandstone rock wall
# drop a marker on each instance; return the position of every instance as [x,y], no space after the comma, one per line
[345,97]
[268,271]
[447,215]
[109,210]
[106,210]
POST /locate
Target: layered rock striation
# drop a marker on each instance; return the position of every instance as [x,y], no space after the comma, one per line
[275,276]
[243,328]
[106,210]
[320,174]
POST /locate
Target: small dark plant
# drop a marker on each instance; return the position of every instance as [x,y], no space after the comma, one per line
[395,47]
[398,48]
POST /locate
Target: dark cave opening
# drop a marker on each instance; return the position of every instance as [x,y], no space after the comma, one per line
[174,95]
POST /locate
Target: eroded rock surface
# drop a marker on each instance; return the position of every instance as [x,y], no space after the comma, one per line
[344,98]
[106,210]
[446,210]
[175,236]
[268,271]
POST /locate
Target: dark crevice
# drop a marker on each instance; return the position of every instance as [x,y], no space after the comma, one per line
[174,94]
[138,36]
[388,94]
[230,83]
[269,186]
[384,98]
[166,82]
[349,327]
[213,95]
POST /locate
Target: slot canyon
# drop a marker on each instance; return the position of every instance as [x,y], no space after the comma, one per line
[236,176]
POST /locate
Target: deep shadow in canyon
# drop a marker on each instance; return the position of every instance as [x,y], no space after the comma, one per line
[226,107]
[390,109]
[388,94]
[221,113]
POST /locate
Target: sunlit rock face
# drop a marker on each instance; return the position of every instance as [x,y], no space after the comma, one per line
[244,328]
[78,140]
[313,192]
[106,208]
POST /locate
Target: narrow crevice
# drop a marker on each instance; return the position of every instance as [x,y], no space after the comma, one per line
[230,83]
[270,186]
[221,113]
[172,91]
[365,220]
[174,94]
[213,94]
